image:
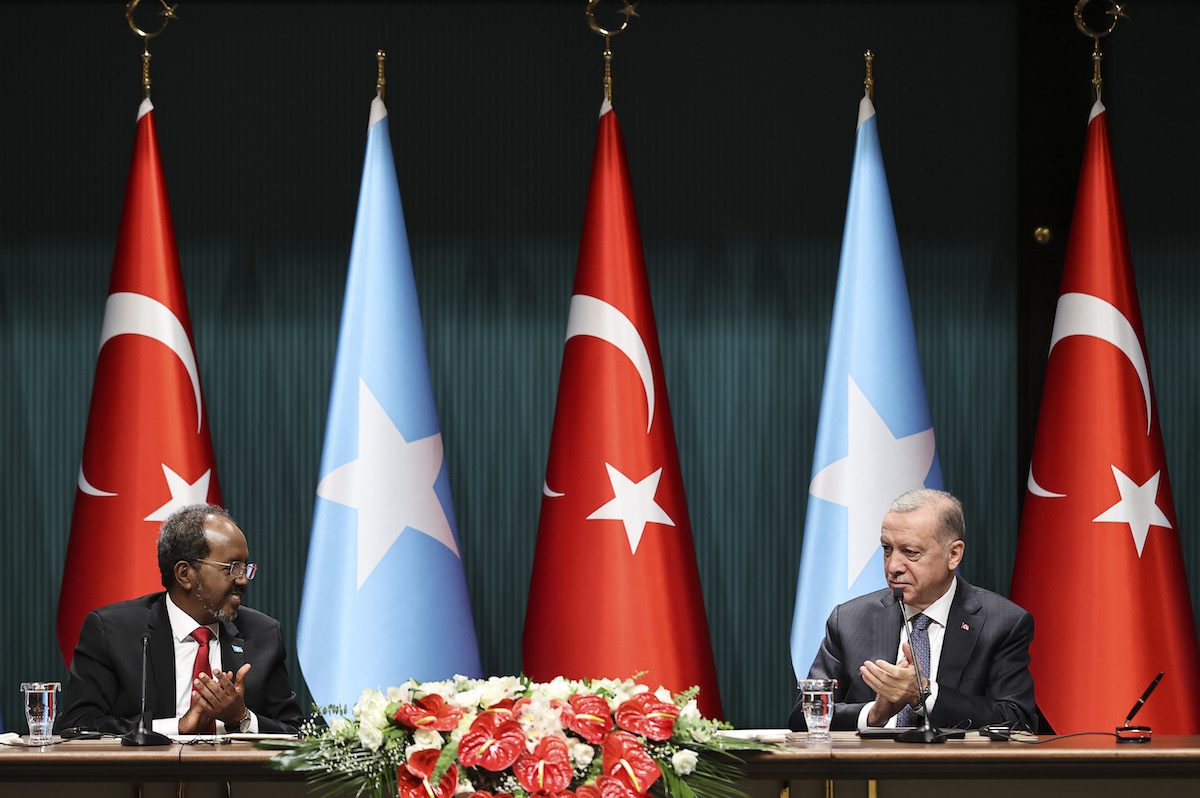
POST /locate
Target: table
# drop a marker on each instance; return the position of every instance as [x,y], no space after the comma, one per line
[845,767]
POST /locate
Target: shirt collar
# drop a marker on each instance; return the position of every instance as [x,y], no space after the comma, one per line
[182,624]
[938,611]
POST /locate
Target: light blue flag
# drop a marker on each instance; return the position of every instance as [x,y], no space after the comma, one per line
[874,437]
[385,595]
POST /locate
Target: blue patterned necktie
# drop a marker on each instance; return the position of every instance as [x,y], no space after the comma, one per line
[919,643]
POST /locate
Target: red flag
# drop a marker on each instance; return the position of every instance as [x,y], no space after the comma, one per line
[147,450]
[1099,562]
[615,588]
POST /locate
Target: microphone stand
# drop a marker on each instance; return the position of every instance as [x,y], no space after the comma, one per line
[143,736]
[925,733]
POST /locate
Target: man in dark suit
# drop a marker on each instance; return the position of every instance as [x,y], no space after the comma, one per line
[213,665]
[972,645]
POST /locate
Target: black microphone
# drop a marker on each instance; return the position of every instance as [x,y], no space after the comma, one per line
[925,733]
[143,736]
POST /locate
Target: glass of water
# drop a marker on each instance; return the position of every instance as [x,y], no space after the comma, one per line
[41,705]
[816,697]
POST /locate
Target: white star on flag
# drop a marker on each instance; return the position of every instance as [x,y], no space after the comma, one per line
[391,484]
[1138,507]
[183,493]
[633,505]
[878,468]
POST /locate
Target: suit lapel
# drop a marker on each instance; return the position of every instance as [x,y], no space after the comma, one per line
[964,625]
[233,648]
[886,641]
[160,664]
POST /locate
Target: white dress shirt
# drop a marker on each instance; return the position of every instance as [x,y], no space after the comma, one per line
[182,626]
[938,613]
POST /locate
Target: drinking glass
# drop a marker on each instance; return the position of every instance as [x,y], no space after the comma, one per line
[816,697]
[41,705]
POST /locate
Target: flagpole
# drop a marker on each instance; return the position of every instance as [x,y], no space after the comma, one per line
[380,79]
[629,11]
[168,14]
[1116,10]
[869,81]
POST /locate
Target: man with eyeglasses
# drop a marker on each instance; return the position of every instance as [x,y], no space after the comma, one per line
[214,666]
[972,644]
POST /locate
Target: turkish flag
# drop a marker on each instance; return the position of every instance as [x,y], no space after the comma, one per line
[615,588]
[1099,562]
[147,452]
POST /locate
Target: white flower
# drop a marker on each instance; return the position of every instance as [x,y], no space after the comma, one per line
[464,785]
[464,725]
[401,694]
[538,719]
[467,699]
[701,732]
[689,711]
[445,688]
[559,688]
[664,695]
[338,726]
[426,738]
[684,761]
[582,754]
[370,736]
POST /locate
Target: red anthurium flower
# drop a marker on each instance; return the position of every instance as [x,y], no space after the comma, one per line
[413,777]
[547,769]
[430,712]
[486,794]
[502,708]
[644,714]
[566,714]
[607,787]
[491,743]
[626,760]
[591,719]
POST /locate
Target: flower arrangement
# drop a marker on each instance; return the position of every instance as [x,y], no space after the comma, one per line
[508,737]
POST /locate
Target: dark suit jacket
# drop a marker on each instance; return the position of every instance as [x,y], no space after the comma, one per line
[105,680]
[983,674]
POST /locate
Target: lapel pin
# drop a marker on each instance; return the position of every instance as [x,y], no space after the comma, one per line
[238,649]
[965,627]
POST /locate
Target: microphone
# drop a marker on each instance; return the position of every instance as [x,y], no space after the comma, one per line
[143,736]
[925,733]
[1138,734]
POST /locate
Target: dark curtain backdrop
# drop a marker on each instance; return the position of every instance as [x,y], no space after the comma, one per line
[739,123]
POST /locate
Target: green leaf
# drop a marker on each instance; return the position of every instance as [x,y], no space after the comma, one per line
[445,760]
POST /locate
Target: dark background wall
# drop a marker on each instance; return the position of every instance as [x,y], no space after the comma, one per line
[739,123]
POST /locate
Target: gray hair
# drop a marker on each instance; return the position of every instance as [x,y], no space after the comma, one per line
[182,538]
[951,524]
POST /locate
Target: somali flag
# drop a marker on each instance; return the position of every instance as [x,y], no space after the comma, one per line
[874,436]
[385,595]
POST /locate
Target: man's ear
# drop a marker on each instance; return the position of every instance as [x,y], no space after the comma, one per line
[956,553]
[184,575]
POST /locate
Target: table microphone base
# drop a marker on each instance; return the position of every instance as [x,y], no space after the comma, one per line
[919,735]
[144,737]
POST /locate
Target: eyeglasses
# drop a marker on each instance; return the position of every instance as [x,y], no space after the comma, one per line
[236,569]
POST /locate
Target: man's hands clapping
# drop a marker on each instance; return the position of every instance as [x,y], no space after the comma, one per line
[894,686]
[217,697]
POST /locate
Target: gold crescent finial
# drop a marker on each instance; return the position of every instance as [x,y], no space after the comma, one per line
[1116,10]
[869,82]
[629,11]
[380,80]
[168,14]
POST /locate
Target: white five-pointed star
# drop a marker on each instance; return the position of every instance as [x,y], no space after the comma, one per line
[633,505]
[1138,507]
[878,468]
[183,493]
[391,484]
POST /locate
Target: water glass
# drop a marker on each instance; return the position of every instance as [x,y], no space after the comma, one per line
[816,697]
[41,705]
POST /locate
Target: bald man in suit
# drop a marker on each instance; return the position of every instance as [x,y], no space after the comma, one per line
[972,644]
